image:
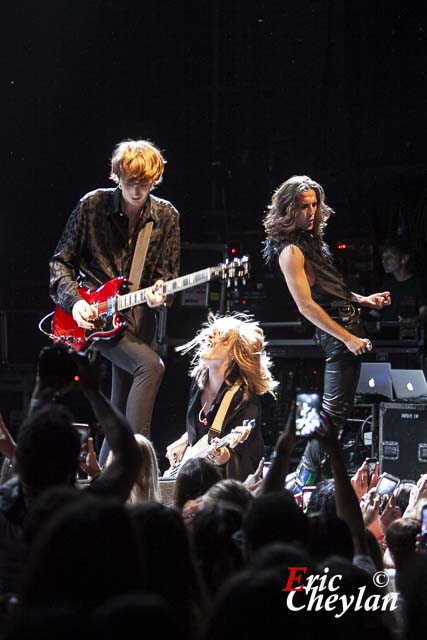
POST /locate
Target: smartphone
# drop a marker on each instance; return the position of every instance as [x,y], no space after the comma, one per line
[84,432]
[387,484]
[307,414]
[266,468]
[371,464]
[424,527]
[306,495]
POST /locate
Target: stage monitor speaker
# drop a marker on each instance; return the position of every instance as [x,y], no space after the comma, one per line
[403,439]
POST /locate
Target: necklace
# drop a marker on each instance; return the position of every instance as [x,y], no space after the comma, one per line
[204,420]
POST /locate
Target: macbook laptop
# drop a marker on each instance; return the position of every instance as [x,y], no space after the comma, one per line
[409,383]
[375,379]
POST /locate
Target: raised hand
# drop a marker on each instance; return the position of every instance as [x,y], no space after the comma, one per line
[90,464]
[254,480]
[377,300]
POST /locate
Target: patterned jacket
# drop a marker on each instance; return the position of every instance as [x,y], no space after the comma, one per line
[94,245]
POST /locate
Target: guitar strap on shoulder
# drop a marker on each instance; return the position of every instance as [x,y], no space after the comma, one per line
[139,256]
[216,427]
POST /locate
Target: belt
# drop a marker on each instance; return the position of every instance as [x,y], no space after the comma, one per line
[346,313]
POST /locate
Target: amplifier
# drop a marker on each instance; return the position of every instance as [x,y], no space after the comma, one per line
[403,439]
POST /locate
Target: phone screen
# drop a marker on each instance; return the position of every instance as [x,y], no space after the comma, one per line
[386,485]
[307,414]
[306,495]
[84,433]
[265,468]
[371,463]
[424,528]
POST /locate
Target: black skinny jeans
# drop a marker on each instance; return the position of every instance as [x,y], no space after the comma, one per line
[342,371]
[137,372]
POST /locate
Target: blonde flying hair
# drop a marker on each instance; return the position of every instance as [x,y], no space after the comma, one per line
[137,160]
[249,363]
[146,485]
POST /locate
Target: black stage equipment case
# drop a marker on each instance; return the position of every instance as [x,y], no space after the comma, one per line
[403,439]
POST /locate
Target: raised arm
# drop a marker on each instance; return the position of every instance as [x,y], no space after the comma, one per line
[274,482]
[347,503]
[292,263]
[375,300]
[117,480]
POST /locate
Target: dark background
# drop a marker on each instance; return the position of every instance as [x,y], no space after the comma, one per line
[239,96]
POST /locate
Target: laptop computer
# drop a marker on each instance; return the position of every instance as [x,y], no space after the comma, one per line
[409,383]
[375,379]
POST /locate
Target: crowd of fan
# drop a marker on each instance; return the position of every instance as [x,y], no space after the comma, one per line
[109,557]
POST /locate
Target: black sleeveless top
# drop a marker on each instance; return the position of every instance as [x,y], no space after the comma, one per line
[329,286]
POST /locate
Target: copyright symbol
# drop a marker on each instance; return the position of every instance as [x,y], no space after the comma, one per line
[380,579]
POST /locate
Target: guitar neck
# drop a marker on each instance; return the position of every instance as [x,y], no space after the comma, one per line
[225,440]
[134,298]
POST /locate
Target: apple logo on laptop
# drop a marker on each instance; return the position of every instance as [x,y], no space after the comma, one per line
[371,383]
[410,386]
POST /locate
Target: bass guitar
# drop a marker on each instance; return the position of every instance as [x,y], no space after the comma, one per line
[113,297]
[202,448]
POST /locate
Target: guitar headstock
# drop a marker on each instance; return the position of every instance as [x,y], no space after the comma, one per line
[241,433]
[236,269]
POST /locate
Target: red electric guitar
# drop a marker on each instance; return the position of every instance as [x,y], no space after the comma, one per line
[113,297]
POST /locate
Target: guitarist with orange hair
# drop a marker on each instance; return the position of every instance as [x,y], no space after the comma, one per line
[98,244]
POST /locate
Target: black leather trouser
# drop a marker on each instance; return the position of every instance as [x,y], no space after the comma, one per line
[342,371]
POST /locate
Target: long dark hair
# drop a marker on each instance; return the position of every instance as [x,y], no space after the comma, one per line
[279,223]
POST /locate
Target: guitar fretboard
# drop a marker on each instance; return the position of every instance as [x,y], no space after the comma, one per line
[171,286]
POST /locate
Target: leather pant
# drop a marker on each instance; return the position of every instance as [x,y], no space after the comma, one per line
[342,371]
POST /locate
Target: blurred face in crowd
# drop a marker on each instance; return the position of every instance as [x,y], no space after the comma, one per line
[393,260]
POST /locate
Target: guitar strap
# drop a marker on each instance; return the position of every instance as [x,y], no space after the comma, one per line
[137,266]
[139,256]
[216,427]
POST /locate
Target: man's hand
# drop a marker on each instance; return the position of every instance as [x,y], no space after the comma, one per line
[84,314]
[155,296]
[370,507]
[358,346]
[90,466]
[418,493]
[390,514]
[376,300]
[360,481]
